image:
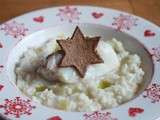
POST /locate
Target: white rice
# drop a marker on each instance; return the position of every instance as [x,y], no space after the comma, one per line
[84,95]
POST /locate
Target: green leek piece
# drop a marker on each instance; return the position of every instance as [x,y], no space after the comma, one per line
[104,84]
[40,88]
[63,104]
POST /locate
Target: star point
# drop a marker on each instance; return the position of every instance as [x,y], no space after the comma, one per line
[79,52]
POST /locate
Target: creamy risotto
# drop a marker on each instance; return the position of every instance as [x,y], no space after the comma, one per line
[104,85]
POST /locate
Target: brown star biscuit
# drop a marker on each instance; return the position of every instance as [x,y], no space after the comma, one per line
[79,52]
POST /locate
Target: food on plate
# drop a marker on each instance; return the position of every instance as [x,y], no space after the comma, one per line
[79,73]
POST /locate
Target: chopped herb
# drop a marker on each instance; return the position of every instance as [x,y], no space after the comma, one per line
[40,88]
[104,84]
[63,104]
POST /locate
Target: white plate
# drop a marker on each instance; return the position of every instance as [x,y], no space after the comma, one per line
[124,26]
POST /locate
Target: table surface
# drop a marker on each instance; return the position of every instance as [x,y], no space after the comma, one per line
[149,9]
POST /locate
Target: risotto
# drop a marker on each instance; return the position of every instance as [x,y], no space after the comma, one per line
[104,85]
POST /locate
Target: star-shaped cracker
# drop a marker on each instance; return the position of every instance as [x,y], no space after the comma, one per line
[79,52]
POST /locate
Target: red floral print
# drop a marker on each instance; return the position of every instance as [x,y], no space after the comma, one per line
[17,107]
[69,14]
[133,111]
[153,93]
[97,15]
[1,68]
[55,118]
[1,46]
[149,33]
[14,29]
[99,116]
[155,52]
[1,87]
[124,22]
[39,19]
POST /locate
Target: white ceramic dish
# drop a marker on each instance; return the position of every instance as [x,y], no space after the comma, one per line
[138,36]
